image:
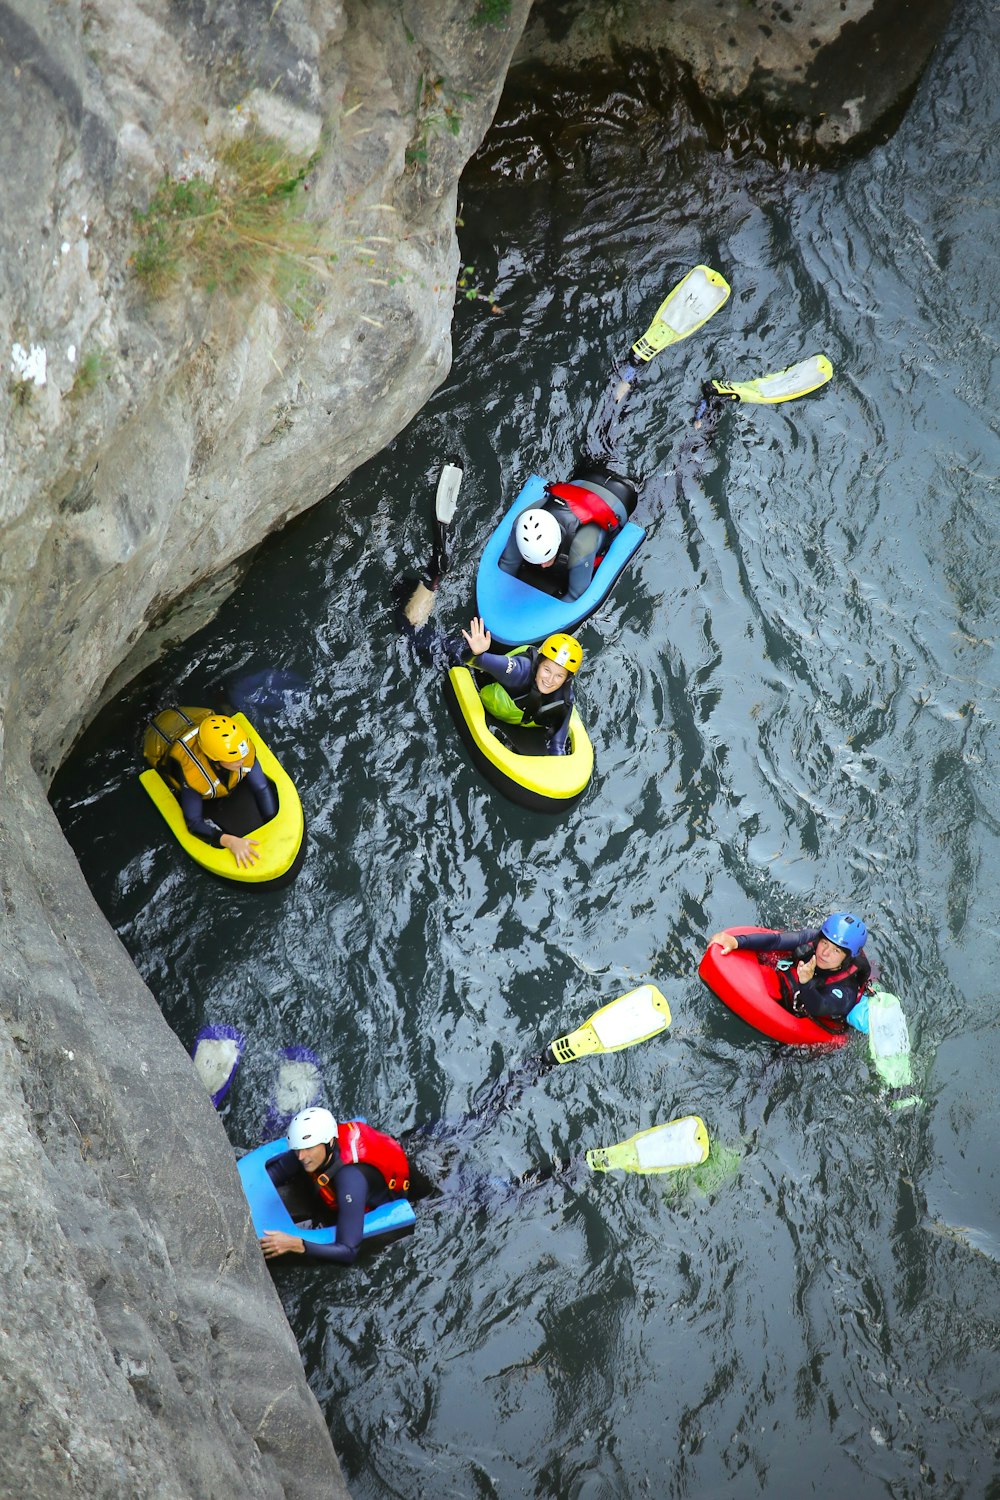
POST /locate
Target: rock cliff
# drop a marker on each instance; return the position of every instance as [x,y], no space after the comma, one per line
[148,441]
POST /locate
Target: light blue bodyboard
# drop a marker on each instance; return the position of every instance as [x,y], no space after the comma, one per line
[516,613]
[268,1211]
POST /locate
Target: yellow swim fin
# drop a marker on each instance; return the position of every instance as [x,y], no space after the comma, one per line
[691,303]
[664,1148]
[784,385]
[634,1017]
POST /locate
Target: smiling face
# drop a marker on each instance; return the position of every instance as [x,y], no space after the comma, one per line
[312,1157]
[548,676]
[829,956]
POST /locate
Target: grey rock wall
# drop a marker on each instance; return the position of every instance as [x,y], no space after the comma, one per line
[144,1350]
[145,447]
[202,424]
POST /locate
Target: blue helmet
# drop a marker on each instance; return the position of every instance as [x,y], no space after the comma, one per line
[846,930]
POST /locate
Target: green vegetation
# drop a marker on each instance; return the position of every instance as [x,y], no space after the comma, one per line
[243,228]
[435,113]
[491,13]
[21,392]
[472,291]
[94,367]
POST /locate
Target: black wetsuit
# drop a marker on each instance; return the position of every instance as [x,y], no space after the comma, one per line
[826,994]
[254,797]
[359,1186]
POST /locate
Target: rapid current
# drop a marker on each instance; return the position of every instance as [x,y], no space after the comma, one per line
[793,695]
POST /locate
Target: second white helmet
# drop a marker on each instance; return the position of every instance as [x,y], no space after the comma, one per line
[311,1127]
[538,536]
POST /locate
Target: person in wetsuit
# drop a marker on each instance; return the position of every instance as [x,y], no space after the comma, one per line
[332,1174]
[221,785]
[533,686]
[555,546]
[828,972]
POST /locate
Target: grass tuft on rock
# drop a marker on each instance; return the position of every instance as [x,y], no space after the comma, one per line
[491,13]
[241,229]
[94,368]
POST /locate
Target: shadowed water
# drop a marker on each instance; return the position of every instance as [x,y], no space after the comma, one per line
[793,696]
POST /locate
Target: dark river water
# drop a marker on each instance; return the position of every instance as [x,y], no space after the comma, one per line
[793,696]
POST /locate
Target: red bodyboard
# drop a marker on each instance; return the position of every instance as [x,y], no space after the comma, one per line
[750,989]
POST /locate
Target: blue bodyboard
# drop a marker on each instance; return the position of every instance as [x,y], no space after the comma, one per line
[516,613]
[268,1212]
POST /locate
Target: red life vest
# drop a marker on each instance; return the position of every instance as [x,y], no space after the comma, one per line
[358,1142]
[772,959]
[821,977]
[829,979]
[586,506]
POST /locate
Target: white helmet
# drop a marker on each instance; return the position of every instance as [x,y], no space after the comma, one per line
[538,536]
[311,1127]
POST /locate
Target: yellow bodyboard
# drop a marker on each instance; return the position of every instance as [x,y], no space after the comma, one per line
[558,777]
[278,841]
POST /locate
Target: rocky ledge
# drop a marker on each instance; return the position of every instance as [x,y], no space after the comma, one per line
[824,73]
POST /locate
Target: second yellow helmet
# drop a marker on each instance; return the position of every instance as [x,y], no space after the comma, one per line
[564,650]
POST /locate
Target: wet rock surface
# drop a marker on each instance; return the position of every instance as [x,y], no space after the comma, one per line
[829,74]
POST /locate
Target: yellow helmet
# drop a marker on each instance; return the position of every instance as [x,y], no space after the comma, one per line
[564,650]
[221,740]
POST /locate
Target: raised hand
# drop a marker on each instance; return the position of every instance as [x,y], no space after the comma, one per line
[477,637]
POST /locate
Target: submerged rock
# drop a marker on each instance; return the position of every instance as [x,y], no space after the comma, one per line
[826,74]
